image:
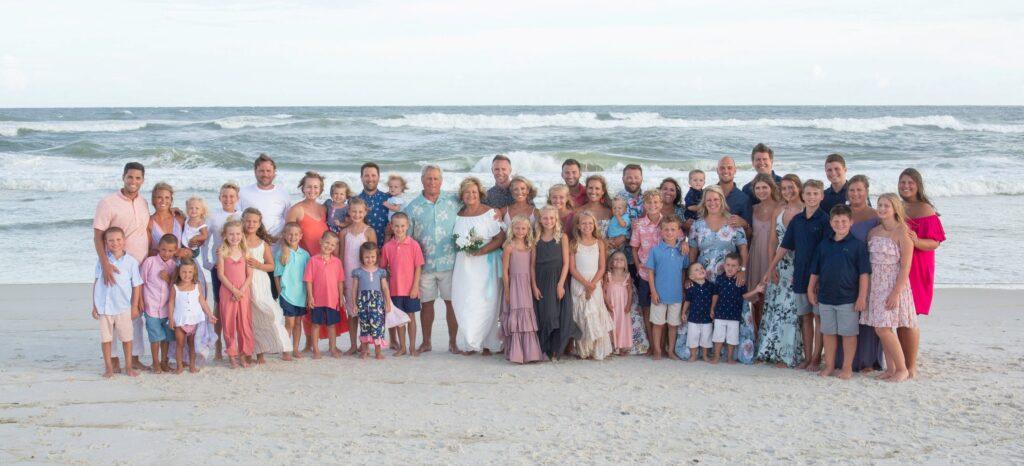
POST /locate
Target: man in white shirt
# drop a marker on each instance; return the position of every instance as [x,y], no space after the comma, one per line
[271,200]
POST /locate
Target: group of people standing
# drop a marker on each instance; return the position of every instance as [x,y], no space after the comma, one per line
[780,270]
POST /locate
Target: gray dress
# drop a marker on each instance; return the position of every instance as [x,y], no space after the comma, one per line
[554,317]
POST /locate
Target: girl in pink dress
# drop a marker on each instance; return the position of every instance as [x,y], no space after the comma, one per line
[518,320]
[925,230]
[236,283]
[618,298]
[352,237]
[890,304]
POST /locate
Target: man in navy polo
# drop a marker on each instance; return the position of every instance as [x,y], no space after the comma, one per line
[738,201]
[835,171]
[803,235]
[763,159]
[838,286]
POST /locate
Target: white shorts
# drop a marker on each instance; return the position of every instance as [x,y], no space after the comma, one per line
[698,335]
[435,285]
[671,314]
[727,331]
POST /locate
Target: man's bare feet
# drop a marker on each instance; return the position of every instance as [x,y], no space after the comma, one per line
[467,353]
[131,372]
[453,348]
[826,372]
[117,368]
[899,376]
[399,352]
[157,369]
[335,353]
[218,356]
[845,375]
[138,365]
[414,353]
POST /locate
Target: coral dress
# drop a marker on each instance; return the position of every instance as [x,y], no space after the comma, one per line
[236,316]
[922,268]
[312,231]
[518,320]
[618,296]
[885,270]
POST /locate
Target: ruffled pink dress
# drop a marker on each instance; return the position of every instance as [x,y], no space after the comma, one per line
[518,319]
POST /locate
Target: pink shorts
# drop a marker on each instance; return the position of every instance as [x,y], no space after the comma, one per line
[120,323]
[189,329]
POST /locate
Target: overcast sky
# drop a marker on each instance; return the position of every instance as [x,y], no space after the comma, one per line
[76,53]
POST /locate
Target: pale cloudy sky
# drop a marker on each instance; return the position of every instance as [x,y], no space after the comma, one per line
[530,52]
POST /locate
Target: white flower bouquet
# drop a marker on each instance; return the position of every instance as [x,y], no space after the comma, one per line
[470,243]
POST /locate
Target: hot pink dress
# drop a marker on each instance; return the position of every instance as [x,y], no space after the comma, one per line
[922,268]
[618,297]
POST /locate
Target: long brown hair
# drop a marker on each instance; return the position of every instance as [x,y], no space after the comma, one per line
[775,195]
[915,175]
[607,199]
[261,232]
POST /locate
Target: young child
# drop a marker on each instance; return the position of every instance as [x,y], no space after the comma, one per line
[839,287]
[586,265]
[195,232]
[559,198]
[186,310]
[215,224]
[701,297]
[352,238]
[728,309]
[403,259]
[551,272]
[396,188]
[369,290]
[617,233]
[235,286]
[646,235]
[803,235]
[157,272]
[325,285]
[618,298]
[665,264]
[693,195]
[337,206]
[116,305]
[518,319]
[289,272]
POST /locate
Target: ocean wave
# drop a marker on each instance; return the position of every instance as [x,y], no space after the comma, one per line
[656,120]
[254,121]
[17,128]
[35,226]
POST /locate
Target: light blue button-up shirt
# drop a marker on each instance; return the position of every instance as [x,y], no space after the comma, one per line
[117,298]
[433,226]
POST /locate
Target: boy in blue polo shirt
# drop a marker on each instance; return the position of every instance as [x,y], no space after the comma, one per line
[666,263]
[117,304]
[839,288]
[803,235]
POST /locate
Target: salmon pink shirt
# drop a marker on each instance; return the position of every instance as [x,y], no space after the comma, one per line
[401,260]
[323,276]
[131,215]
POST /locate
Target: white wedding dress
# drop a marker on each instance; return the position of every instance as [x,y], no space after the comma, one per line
[477,288]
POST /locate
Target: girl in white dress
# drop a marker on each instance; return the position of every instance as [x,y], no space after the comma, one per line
[476,280]
[587,267]
[269,332]
[187,309]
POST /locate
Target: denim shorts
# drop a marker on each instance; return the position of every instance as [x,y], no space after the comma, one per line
[406,304]
[158,329]
[290,310]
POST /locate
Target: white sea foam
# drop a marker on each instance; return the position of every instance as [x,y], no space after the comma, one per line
[11,128]
[656,120]
[254,121]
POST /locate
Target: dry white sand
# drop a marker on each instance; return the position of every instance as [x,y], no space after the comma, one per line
[966,406]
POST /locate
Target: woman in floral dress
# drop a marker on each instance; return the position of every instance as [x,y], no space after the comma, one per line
[779,339]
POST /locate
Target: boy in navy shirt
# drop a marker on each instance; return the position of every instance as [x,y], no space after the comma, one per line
[665,265]
[693,195]
[701,296]
[803,235]
[839,288]
[728,309]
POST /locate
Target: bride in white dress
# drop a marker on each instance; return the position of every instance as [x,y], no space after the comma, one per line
[476,280]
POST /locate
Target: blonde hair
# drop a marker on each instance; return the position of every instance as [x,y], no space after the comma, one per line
[203,210]
[399,179]
[531,190]
[285,248]
[162,186]
[229,185]
[650,194]
[311,175]
[702,208]
[577,234]
[472,181]
[225,248]
[557,230]
[568,199]
[899,211]
[530,239]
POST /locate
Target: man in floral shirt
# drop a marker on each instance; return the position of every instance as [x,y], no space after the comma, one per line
[432,218]
[376,213]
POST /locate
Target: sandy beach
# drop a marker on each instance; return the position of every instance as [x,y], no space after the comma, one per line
[966,406]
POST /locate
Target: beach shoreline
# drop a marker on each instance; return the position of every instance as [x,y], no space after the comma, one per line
[443,408]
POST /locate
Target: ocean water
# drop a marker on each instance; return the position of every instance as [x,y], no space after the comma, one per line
[55,164]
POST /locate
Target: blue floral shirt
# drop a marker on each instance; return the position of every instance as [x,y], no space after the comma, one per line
[714,245]
[377,214]
[432,225]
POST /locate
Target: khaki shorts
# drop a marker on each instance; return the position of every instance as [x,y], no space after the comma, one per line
[671,314]
[435,285]
[119,323]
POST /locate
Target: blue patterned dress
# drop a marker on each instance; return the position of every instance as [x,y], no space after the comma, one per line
[370,302]
[779,339]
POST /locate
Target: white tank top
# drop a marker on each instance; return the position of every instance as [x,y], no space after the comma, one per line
[187,310]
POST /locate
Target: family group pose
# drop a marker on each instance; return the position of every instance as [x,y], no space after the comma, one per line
[796,273]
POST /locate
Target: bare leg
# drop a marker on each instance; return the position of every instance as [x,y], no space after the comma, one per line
[849,351]
[116,363]
[154,349]
[718,353]
[179,350]
[412,336]
[729,354]
[658,331]
[453,327]
[896,366]
[427,322]
[377,352]
[910,339]
[127,348]
[807,332]
[315,335]
[164,357]
[295,332]
[353,329]
[191,341]
[400,341]
[332,340]
[693,353]
[108,361]
[648,328]
[672,332]
[830,355]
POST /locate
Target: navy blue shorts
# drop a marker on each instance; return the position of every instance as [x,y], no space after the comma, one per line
[324,316]
[643,293]
[407,304]
[290,310]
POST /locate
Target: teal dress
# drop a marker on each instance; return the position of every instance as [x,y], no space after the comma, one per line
[714,246]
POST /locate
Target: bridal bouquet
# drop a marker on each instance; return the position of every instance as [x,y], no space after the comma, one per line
[470,243]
